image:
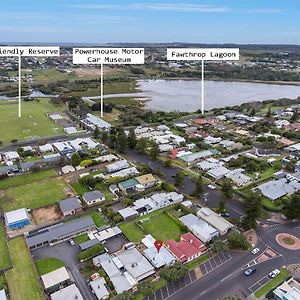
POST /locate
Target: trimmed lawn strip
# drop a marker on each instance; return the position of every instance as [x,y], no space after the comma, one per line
[272,283]
[34,195]
[46,265]
[4,252]
[81,238]
[160,225]
[26,179]
[98,219]
[22,279]
[196,262]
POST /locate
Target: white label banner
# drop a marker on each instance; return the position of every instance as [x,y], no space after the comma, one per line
[29,51]
[114,56]
[203,54]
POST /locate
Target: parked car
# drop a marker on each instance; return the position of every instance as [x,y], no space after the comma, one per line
[250,271]
[224,215]
[72,243]
[274,273]
[255,251]
[212,187]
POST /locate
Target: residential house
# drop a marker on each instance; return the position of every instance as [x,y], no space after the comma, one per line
[93,197]
[52,281]
[70,206]
[147,180]
[187,249]
[69,292]
[216,221]
[99,288]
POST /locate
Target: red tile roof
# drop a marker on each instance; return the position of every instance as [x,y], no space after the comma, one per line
[295,126]
[187,247]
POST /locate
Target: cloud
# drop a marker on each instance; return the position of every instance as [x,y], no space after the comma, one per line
[35,29]
[175,7]
[264,11]
[100,19]
[22,15]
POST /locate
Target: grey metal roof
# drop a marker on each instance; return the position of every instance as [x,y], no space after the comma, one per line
[70,204]
[60,231]
[91,196]
[88,244]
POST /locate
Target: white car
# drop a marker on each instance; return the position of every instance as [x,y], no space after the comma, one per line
[255,251]
[212,187]
[274,273]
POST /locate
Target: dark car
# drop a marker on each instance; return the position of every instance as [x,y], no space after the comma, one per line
[250,271]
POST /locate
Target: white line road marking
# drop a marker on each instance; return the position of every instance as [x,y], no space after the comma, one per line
[203,292]
[226,277]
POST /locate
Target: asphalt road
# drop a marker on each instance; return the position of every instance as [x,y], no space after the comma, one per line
[234,206]
[229,278]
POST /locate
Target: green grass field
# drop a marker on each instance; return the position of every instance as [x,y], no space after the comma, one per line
[158,224]
[34,195]
[4,252]
[81,238]
[272,283]
[33,123]
[46,265]
[26,179]
[22,279]
[46,75]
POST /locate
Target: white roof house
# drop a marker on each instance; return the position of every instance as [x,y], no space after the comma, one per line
[55,277]
[11,155]
[157,259]
[94,121]
[125,172]
[80,143]
[68,293]
[218,173]
[238,177]
[98,287]
[199,228]
[278,188]
[46,148]
[3,295]
[214,220]
[118,165]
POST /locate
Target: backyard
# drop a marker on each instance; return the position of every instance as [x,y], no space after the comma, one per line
[22,279]
[159,224]
[33,123]
[34,195]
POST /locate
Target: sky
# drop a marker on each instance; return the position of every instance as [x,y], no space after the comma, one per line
[202,21]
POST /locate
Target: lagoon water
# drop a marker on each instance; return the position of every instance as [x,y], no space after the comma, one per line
[185,95]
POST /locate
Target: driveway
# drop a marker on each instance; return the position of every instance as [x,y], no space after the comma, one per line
[68,254]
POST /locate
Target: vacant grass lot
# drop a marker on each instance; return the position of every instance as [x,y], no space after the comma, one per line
[46,265]
[46,75]
[34,195]
[22,279]
[4,252]
[33,123]
[25,179]
[158,224]
[272,283]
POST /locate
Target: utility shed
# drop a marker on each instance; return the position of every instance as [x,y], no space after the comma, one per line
[17,219]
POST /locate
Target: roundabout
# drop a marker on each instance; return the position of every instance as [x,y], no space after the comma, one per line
[288,241]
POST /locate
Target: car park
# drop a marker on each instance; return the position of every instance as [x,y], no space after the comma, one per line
[255,251]
[250,271]
[274,273]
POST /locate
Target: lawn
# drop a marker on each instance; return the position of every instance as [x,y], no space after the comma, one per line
[272,283]
[33,123]
[81,238]
[271,205]
[79,188]
[46,265]
[22,279]
[46,75]
[105,190]
[4,257]
[2,282]
[98,219]
[26,179]
[158,224]
[34,195]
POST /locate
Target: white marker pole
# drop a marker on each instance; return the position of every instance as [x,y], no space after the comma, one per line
[101,93]
[202,88]
[19,86]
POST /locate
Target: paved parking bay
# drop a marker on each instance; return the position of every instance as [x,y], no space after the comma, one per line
[257,285]
[207,267]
